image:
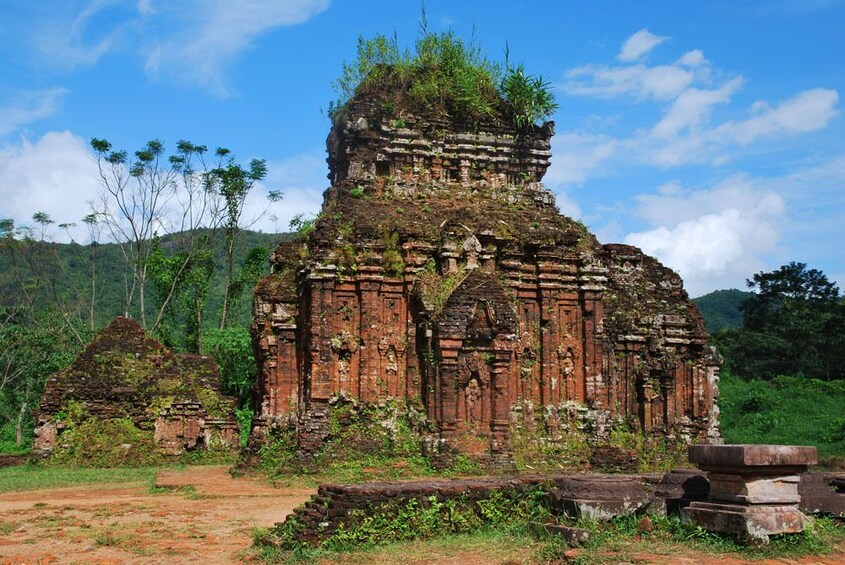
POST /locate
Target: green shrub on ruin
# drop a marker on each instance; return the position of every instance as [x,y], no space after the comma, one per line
[445,74]
[503,510]
[106,443]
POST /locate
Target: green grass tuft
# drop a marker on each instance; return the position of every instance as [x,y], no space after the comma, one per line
[32,477]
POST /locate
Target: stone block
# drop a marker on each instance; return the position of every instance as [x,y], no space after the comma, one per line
[677,490]
[573,536]
[753,489]
[776,459]
[599,497]
[820,495]
[750,523]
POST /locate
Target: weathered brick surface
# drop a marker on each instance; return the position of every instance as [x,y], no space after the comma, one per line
[125,373]
[440,272]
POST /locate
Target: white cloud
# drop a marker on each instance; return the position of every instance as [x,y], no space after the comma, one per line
[713,237]
[661,82]
[191,41]
[575,155]
[692,106]
[29,107]
[55,174]
[806,111]
[218,32]
[684,132]
[71,39]
[145,7]
[693,59]
[683,135]
[639,45]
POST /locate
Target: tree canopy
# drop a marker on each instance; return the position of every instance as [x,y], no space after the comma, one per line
[793,324]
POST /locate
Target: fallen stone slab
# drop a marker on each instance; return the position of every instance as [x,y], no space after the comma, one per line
[574,537]
[677,489]
[820,495]
[599,497]
[750,523]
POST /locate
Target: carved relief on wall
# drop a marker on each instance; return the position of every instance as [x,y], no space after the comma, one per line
[474,386]
[344,344]
[568,355]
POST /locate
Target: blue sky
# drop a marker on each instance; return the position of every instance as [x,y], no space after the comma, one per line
[708,133]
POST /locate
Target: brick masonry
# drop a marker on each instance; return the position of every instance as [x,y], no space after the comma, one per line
[441,273]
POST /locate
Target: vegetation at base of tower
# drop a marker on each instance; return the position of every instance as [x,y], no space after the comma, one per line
[446,74]
[504,528]
[570,448]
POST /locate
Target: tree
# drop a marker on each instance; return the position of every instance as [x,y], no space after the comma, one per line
[793,324]
[32,347]
[92,223]
[232,349]
[136,207]
[39,271]
[233,183]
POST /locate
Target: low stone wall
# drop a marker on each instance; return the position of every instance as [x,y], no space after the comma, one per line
[592,496]
[337,506]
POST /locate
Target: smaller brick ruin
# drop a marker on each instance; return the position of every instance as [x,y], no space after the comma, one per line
[126,374]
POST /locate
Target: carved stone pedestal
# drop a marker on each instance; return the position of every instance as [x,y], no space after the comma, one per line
[753,489]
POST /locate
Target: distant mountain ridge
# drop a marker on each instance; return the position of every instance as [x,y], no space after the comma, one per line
[721,309]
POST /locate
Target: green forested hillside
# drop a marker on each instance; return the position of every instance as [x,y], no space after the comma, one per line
[721,308]
[63,276]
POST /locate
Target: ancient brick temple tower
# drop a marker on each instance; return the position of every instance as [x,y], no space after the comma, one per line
[440,272]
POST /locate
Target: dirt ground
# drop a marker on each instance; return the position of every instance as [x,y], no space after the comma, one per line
[203,516]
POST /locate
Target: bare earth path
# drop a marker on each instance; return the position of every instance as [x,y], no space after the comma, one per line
[109,524]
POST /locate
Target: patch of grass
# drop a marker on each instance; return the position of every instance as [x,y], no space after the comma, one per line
[486,546]
[7,528]
[376,468]
[9,447]
[33,477]
[785,410]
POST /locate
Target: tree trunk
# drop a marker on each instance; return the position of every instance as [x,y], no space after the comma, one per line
[19,425]
[230,269]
